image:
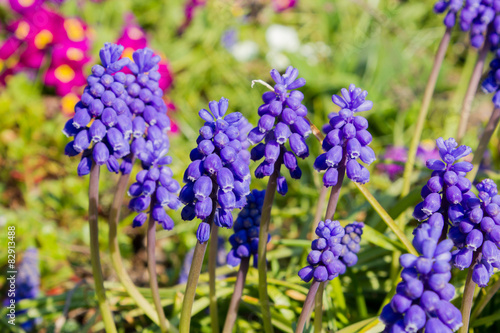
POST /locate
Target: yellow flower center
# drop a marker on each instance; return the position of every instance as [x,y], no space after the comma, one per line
[74,54]
[127,53]
[22,30]
[74,30]
[26,3]
[68,103]
[43,38]
[64,73]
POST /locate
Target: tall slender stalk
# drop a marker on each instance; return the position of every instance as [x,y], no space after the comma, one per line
[267,205]
[319,209]
[194,272]
[483,142]
[468,296]
[95,257]
[232,312]
[212,265]
[426,101]
[471,90]
[308,305]
[335,193]
[114,249]
[153,280]
[318,309]
[485,299]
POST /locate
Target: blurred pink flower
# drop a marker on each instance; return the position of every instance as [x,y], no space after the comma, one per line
[393,161]
[281,5]
[24,6]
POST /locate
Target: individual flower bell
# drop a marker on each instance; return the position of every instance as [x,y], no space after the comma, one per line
[333,251]
[217,175]
[476,232]
[282,120]
[422,299]
[100,125]
[452,7]
[347,139]
[245,240]
[447,189]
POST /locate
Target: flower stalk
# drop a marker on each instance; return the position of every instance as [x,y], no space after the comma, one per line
[468,296]
[308,305]
[194,273]
[471,90]
[106,314]
[114,250]
[232,312]
[318,309]
[153,280]
[212,265]
[483,142]
[263,232]
[426,101]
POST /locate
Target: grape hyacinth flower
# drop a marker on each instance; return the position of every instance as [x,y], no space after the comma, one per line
[422,299]
[217,173]
[245,240]
[492,82]
[452,7]
[102,106]
[330,255]
[333,251]
[282,120]
[447,189]
[347,139]
[476,234]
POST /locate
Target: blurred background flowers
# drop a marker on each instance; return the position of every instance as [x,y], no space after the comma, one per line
[211,49]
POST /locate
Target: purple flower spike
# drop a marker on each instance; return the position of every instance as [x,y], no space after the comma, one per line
[219,170]
[476,233]
[282,120]
[245,240]
[422,299]
[333,251]
[347,139]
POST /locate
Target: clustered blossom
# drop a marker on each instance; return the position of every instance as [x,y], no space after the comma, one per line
[282,120]
[41,35]
[492,82]
[218,173]
[347,139]
[245,240]
[422,299]
[479,17]
[147,127]
[335,249]
[448,188]
[476,232]
[102,122]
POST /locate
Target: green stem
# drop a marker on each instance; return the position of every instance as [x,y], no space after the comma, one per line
[335,193]
[263,232]
[471,90]
[468,296]
[308,305]
[106,314]
[153,280]
[387,219]
[212,265]
[485,299]
[483,142]
[195,270]
[318,309]
[319,209]
[429,91]
[114,249]
[232,311]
